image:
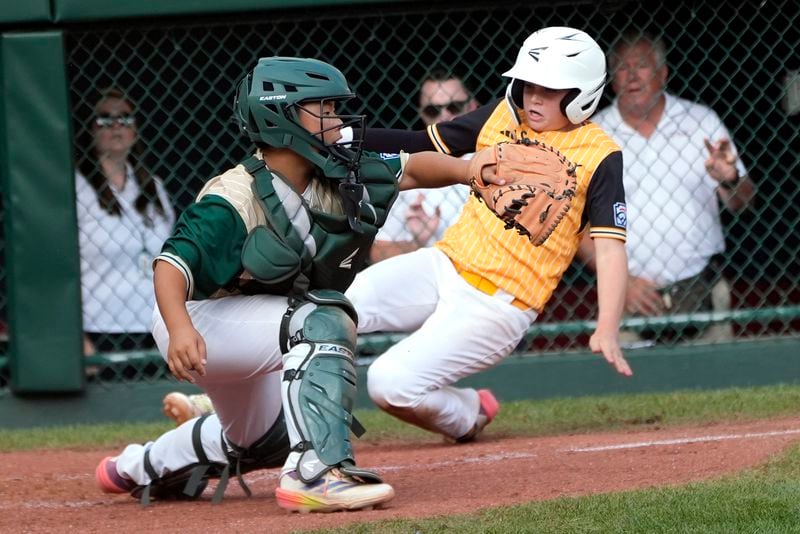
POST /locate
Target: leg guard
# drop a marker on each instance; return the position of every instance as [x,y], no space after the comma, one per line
[186,483]
[189,482]
[319,387]
[271,450]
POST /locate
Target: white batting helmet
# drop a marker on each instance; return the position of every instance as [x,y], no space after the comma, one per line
[561,58]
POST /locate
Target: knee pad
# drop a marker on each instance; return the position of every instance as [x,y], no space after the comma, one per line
[334,321]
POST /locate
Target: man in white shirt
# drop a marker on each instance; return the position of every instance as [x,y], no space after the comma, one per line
[419,217]
[679,166]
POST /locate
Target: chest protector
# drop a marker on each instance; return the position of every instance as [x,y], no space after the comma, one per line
[302,248]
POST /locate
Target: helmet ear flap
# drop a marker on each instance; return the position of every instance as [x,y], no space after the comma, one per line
[567,100]
[515,90]
[244,118]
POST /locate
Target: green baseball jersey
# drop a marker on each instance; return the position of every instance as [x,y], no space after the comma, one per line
[209,237]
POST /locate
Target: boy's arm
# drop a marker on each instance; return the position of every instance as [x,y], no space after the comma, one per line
[612,278]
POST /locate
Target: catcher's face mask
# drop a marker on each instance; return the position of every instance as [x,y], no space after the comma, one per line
[266,109]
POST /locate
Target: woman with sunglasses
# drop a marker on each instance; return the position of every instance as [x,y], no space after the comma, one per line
[124,216]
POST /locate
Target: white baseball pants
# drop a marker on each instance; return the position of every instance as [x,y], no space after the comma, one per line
[457,331]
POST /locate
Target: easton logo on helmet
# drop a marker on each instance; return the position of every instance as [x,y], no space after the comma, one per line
[534,52]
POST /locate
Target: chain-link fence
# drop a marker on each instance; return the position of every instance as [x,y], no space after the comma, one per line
[739,60]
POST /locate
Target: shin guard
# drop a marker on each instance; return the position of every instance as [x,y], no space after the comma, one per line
[319,390]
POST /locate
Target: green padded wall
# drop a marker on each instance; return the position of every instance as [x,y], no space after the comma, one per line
[39,194]
[24,12]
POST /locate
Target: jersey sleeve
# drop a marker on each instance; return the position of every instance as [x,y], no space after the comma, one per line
[395,161]
[460,135]
[206,246]
[456,137]
[605,210]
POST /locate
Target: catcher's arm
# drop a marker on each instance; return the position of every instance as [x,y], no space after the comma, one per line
[612,278]
[432,169]
[187,349]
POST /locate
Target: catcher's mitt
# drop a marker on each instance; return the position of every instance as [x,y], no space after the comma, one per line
[540,185]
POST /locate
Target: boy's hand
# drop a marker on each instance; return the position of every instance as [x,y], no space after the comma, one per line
[609,346]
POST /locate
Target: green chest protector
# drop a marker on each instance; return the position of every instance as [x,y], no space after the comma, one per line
[302,249]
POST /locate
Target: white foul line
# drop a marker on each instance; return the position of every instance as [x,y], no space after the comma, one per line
[489,458]
[681,441]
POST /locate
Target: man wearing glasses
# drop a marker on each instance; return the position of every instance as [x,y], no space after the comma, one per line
[419,217]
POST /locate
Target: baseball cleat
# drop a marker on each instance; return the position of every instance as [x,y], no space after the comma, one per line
[489,407]
[109,480]
[180,408]
[332,492]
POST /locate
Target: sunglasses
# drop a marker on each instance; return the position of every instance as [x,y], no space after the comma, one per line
[453,107]
[107,121]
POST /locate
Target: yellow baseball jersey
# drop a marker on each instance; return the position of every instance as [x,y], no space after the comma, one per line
[478,242]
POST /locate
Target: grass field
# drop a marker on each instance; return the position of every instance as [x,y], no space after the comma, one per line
[763,500]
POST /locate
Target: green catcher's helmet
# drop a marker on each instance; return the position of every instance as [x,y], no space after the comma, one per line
[266,110]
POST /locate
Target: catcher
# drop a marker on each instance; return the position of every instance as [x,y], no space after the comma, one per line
[250,304]
[471,297]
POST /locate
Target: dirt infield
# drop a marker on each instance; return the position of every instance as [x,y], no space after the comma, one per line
[54,491]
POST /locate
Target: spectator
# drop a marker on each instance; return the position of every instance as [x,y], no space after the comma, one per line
[420,217]
[679,166]
[443,97]
[124,216]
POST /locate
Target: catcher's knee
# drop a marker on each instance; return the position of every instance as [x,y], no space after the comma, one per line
[324,317]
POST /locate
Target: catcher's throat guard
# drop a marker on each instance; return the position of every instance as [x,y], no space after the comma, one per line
[352,194]
[319,386]
[540,185]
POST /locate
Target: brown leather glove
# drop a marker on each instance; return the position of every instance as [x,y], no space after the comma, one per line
[540,185]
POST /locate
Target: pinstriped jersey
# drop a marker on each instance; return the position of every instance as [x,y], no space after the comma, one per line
[478,241]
